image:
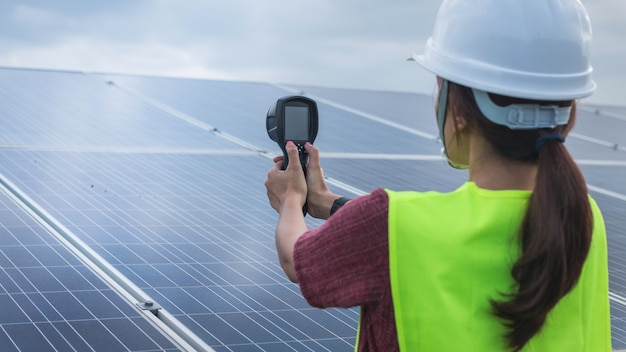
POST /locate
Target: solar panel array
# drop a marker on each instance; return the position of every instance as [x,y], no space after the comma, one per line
[129,195]
[51,301]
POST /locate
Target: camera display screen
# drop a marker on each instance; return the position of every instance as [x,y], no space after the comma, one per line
[296,123]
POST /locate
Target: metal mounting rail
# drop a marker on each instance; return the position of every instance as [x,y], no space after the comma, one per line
[178,333]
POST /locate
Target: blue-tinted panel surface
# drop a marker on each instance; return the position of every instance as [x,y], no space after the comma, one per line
[45,109]
[618,326]
[195,232]
[398,175]
[604,124]
[45,289]
[240,109]
[409,109]
[134,169]
[597,175]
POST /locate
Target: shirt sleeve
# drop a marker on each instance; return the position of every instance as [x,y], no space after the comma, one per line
[345,262]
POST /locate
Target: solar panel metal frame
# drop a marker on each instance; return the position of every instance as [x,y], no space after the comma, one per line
[178,103]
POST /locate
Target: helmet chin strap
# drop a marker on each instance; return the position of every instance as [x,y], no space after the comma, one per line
[442,109]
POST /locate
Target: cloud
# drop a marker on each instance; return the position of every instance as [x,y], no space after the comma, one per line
[608,50]
[348,43]
[287,41]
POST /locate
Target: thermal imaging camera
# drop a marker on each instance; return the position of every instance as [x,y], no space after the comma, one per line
[293,118]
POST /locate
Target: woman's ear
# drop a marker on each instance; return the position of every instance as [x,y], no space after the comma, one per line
[460,123]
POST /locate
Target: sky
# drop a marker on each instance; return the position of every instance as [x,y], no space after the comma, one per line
[359,44]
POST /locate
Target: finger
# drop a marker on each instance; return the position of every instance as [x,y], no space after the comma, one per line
[292,152]
[314,155]
[278,158]
[277,167]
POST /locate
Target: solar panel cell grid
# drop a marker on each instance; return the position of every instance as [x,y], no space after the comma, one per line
[60,110]
[210,268]
[51,301]
[409,109]
[618,326]
[240,110]
[181,211]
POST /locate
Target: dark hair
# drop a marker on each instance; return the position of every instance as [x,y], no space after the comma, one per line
[555,234]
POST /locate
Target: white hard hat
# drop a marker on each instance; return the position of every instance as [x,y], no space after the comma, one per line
[534,49]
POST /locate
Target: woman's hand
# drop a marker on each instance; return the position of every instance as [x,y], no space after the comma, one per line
[286,186]
[319,198]
[286,191]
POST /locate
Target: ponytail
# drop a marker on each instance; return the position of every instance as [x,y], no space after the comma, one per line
[555,234]
[555,238]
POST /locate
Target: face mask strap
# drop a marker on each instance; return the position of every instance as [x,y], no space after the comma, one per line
[442,110]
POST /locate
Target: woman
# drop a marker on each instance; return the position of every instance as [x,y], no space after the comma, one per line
[515,259]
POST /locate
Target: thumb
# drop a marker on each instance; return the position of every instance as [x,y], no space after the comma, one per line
[314,156]
[292,153]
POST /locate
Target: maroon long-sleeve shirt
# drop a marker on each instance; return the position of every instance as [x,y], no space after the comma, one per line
[345,263]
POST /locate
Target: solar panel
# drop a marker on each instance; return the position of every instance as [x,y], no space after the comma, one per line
[51,300]
[162,179]
[189,230]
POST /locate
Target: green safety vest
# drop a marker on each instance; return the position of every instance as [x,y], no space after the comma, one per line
[449,253]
